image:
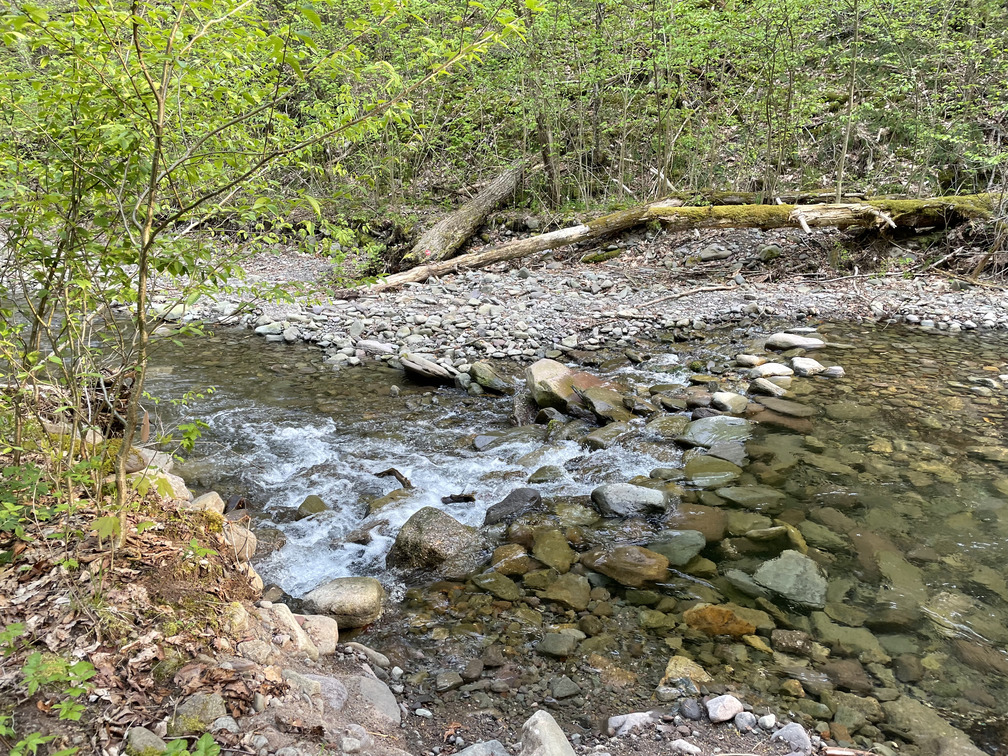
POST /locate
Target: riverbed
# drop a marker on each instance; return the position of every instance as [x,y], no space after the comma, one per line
[896,480]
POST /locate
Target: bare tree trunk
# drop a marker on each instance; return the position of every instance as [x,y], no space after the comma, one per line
[444,238]
[938,211]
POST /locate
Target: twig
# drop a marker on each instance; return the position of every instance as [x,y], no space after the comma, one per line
[403,480]
[688,292]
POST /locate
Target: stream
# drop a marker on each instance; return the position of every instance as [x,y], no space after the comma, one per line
[898,482]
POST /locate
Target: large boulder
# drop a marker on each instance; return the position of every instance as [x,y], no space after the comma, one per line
[794,577]
[629,565]
[351,601]
[626,500]
[430,538]
[925,727]
[550,383]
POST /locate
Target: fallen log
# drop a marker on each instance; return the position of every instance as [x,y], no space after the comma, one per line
[871,213]
[445,237]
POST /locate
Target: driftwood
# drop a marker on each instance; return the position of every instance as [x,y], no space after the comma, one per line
[873,213]
[445,237]
[392,472]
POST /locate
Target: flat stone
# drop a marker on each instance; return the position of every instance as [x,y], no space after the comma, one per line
[787,407]
[768,369]
[376,695]
[785,341]
[795,737]
[756,497]
[708,431]
[678,546]
[571,590]
[550,547]
[142,742]
[766,387]
[705,471]
[630,565]
[795,577]
[560,645]
[498,585]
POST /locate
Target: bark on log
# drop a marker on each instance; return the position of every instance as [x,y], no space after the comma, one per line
[937,211]
[445,237]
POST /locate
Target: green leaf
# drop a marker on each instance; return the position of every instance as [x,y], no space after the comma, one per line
[107,526]
[312,16]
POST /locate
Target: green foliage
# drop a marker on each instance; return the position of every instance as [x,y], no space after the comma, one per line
[20,486]
[205,746]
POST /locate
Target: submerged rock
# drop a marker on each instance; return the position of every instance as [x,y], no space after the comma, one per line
[678,546]
[708,431]
[785,341]
[629,565]
[794,577]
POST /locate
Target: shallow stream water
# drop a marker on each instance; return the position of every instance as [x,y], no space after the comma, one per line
[905,457]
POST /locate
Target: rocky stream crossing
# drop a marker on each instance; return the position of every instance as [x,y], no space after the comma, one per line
[620,510]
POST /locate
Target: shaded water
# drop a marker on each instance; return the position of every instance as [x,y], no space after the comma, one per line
[900,486]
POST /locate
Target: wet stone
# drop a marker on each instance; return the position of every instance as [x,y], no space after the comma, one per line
[570,590]
[560,645]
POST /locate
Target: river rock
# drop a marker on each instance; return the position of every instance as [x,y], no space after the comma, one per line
[498,585]
[795,577]
[571,590]
[606,436]
[667,426]
[427,371]
[708,431]
[710,521]
[351,601]
[542,736]
[678,546]
[795,737]
[560,645]
[723,708]
[787,407]
[376,695]
[767,387]
[142,742]
[196,713]
[550,547]
[924,727]
[311,505]
[323,631]
[630,565]
[547,474]
[785,341]
[208,502]
[770,369]
[756,497]
[240,542]
[606,404]
[512,559]
[515,504]
[806,366]
[728,401]
[717,620]
[705,471]
[429,538]
[627,500]
[550,383]
[849,641]
[486,375]
[681,667]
